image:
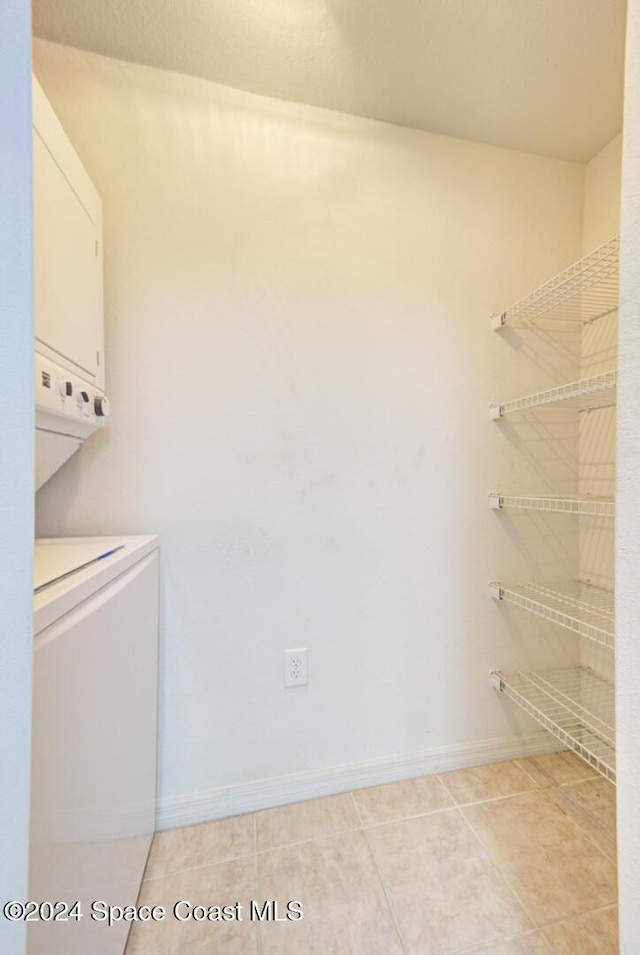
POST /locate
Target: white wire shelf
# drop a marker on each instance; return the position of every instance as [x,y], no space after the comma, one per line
[583,292]
[585,506]
[577,706]
[598,391]
[576,606]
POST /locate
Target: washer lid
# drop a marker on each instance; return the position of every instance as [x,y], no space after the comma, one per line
[55,560]
[70,570]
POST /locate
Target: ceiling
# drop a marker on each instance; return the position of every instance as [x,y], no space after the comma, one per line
[544,76]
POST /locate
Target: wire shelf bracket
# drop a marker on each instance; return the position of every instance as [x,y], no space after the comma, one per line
[584,506]
[575,705]
[583,292]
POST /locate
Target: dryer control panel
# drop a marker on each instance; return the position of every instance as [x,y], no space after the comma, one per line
[66,404]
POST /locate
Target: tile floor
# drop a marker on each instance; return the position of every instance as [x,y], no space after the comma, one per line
[510,859]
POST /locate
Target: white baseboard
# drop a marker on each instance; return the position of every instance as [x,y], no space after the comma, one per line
[188,810]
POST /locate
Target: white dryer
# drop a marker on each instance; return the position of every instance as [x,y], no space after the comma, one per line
[71,404]
[94,734]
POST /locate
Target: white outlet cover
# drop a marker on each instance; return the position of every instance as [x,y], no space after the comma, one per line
[296,667]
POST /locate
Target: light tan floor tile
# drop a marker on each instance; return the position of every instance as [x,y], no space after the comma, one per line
[533,944]
[302,821]
[412,797]
[445,892]
[533,845]
[509,828]
[345,908]
[486,782]
[596,798]
[556,769]
[223,884]
[551,863]
[593,934]
[206,844]
[595,817]
[561,881]
[606,845]
[596,833]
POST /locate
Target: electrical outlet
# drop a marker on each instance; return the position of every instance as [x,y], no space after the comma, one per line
[295,667]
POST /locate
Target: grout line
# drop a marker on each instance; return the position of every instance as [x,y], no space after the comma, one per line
[446,788]
[304,842]
[547,943]
[593,819]
[357,808]
[576,915]
[586,779]
[258,937]
[504,878]
[475,802]
[583,815]
[364,827]
[208,864]
[387,894]
[579,915]
[474,833]
[489,947]
[500,874]
[531,777]
[417,815]
[525,909]
[399,819]
[489,799]
[195,868]
[567,788]
[552,783]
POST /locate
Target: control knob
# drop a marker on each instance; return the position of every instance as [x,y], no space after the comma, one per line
[65,388]
[82,398]
[101,406]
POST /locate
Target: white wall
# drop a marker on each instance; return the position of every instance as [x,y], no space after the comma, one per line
[628,512]
[300,362]
[602,196]
[16,472]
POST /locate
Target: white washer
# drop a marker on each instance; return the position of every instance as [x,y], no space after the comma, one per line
[94,733]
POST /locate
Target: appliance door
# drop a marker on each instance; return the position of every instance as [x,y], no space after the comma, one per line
[94,760]
[67,256]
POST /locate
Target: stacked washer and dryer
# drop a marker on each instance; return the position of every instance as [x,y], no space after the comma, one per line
[95,599]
